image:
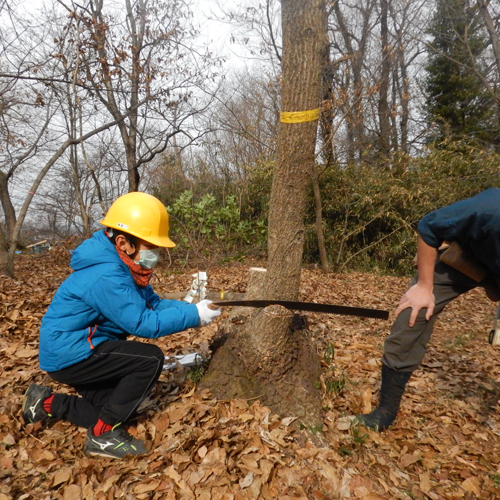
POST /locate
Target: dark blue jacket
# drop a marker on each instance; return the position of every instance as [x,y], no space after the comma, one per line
[100,301]
[474,223]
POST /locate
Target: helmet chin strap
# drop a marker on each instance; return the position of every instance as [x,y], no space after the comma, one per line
[133,253]
[109,234]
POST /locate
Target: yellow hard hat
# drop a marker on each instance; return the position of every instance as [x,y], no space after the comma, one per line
[141,215]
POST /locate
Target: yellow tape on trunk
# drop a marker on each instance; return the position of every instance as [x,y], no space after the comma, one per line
[299,116]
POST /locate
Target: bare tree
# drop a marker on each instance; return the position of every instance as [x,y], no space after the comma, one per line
[275,360]
[32,139]
[244,126]
[491,19]
[26,110]
[374,43]
[140,70]
[383,101]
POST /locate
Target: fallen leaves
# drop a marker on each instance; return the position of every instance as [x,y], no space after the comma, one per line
[444,444]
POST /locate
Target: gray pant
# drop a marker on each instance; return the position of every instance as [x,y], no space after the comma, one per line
[405,347]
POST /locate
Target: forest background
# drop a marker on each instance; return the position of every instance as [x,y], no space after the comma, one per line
[103,97]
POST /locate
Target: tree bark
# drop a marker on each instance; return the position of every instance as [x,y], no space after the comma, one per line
[320,234]
[8,207]
[383,103]
[495,44]
[304,42]
[267,353]
[355,115]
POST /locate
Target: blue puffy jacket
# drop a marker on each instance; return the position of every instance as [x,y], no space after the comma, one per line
[100,301]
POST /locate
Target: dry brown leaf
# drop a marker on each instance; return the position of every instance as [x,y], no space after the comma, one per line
[108,483]
[246,481]
[245,417]
[249,462]
[288,420]
[331,474]
[48,456]
[393,478]
[266,467]
[72,492]
[471,484]
[26,353]
[61,476]
[161,422]
[361,486]
[408,459]
[173,474]
[344,423]
[196,476]
[178,413]
[9,440]
[425,482]
[214,457]
[145,487]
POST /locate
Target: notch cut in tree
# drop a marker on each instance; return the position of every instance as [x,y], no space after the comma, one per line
[267,353]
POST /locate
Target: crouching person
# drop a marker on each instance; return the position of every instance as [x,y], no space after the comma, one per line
[83,334]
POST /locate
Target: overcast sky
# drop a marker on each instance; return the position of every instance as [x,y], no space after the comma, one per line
[214,33]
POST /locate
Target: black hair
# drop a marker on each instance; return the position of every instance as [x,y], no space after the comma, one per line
[113,233]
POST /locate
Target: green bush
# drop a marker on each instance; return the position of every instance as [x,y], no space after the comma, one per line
[208,227]
[371,215]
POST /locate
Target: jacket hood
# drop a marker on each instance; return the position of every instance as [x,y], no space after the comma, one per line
[95,250]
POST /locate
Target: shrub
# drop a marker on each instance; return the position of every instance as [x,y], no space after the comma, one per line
[207,227]
[371,215]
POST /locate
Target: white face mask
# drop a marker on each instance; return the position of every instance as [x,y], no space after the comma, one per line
[148,258]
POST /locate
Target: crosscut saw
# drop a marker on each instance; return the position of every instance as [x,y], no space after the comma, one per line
[306,306]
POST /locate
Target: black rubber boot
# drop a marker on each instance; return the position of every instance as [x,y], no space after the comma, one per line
[393,386]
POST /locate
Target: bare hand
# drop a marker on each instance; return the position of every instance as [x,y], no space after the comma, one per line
[417,298]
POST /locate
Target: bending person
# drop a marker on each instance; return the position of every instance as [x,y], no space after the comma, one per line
[472,227]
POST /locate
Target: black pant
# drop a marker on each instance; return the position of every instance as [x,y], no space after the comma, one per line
[113,381]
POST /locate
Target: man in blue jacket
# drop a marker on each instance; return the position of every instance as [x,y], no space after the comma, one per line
[475,225]
[83,334]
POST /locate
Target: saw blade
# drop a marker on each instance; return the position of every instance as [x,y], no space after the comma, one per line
[307,306]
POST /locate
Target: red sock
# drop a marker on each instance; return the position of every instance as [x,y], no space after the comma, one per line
[101,427]
[48,403]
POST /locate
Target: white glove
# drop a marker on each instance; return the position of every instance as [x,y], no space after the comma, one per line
[206,314]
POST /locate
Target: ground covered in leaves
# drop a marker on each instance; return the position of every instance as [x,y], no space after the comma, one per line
[444,445]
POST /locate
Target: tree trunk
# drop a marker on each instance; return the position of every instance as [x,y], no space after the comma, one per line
[73,160]
[492,32]
[327,110]
[8,207]
[304,40]
[355,115]
[495,44]
[383,103]
[267,352]
[320,235]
